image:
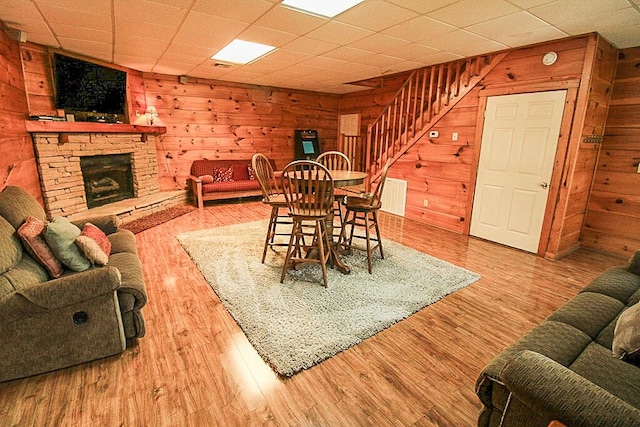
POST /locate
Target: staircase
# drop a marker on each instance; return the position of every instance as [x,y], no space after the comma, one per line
[427,95]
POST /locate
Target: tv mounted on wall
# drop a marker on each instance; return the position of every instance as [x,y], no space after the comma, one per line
[85,87]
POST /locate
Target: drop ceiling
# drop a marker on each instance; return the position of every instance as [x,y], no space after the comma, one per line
[374,38]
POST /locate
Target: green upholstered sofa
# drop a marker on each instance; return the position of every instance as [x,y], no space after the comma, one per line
[48,324]
[564,369]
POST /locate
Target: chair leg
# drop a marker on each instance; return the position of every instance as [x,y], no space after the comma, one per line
[375,221]
[271,231]
[368,239]
[321,238]
[290,249]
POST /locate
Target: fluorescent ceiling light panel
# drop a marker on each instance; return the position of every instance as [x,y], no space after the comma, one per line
[328,8]
[242,52]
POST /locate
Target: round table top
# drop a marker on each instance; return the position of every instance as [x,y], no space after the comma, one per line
[343,178]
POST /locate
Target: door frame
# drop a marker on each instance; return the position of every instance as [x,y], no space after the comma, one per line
[559,172]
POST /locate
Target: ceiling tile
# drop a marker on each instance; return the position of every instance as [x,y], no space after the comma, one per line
[283,19]
[571,10]
[453,39]
[508,25]
[418,29]
[165,15]
[14,11]
[237,10]
[290,56]
[477,48]
[526,4]
[267,36]
[173,68]
[382,61]
[531,37]
[135,62]
[59,15]
[150,30]
[38,32]
[339,33]
[182,4]
[378,43]
[411,51]
[346,53]
[322,62]
[469,12]
[100,7]
[206,30]
[73,32]
[375,15]
[76,45]
[612,25]
[310,46]
[422,6]
[438,58]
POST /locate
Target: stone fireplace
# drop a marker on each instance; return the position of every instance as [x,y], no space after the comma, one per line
[61,156]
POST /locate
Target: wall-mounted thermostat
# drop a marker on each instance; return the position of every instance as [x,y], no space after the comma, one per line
[434,134]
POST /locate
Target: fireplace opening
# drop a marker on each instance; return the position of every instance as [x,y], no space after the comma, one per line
[107,178]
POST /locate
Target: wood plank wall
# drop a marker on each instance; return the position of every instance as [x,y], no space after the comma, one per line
[16,149]
[214,119]
[613,218]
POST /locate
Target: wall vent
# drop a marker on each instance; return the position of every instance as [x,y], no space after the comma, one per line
[394,196]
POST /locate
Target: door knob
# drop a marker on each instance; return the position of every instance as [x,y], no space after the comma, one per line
[544,184]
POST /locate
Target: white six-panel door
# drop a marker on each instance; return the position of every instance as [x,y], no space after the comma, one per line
[518,149]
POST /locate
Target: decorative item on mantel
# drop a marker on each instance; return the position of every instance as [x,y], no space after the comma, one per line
[149,118]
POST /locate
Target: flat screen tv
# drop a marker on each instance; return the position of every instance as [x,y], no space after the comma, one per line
[83,86]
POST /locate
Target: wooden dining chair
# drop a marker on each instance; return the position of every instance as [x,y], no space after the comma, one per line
[308,190]
[336,160]
[362,211]
[271,195]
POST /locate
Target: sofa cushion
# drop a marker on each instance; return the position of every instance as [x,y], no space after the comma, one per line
[24,274]
[615,282]
[10,247]
[231,186]
[598,365]
[589,312]
[634,263]
[16,204]
[626,337]
[60,235]
[31,233]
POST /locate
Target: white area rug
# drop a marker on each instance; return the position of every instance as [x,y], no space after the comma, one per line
[300,323]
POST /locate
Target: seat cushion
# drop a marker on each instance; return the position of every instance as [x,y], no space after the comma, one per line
[10,247]
[600,366]
[616,282]
[231,186]
[589,312]
[16,204]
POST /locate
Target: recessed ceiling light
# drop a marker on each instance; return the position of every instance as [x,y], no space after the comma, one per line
[242,52]
[328,8]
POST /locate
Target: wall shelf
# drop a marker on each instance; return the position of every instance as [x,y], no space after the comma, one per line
[36,126]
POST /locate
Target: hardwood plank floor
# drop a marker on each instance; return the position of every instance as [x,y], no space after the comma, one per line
[196,367]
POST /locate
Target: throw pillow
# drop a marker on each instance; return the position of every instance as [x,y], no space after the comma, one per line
[61,235]
[252,175]
[30,233]
[223,174]
[206,179]
[626,336]
[92,250]
[94,233]
[634,263]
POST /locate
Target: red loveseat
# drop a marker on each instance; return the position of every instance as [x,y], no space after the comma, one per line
[222,179]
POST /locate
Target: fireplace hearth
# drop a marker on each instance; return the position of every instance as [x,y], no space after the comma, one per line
[107,178]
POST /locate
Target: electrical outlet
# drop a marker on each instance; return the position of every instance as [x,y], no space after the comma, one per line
[425,203]
[454,136]
[434,134]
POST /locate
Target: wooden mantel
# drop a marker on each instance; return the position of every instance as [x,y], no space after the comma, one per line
[35,126]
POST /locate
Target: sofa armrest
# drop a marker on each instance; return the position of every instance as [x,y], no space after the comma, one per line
[546,386]
[107,223]
[196,189]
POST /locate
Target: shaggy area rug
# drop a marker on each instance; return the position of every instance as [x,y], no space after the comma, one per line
[157,218]
[300,323]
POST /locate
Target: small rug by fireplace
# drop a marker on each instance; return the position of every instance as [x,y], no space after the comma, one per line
[300,323]
[157,218]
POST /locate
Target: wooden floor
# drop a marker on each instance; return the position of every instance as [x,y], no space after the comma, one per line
[195,367]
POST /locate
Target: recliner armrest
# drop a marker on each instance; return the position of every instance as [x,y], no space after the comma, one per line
[65,291]
[548,387]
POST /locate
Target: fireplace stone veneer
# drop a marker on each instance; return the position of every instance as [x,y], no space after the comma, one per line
[58,157]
